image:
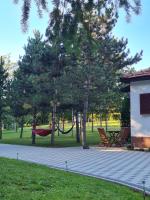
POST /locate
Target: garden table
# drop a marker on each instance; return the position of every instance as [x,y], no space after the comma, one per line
[114,136]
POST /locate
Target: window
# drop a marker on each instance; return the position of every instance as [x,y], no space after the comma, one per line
[145,103]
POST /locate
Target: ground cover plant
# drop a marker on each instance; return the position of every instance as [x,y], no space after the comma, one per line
[69,140]
[24,181]
[11,137]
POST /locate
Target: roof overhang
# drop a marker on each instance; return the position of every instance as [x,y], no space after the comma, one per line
[136,76]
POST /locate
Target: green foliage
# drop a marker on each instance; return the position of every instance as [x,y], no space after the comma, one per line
[130,6]
[33,76]
[125,112]
[79,64]
[3,84]
[95,61]
[3,87]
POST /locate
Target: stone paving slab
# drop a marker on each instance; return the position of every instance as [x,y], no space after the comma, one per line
[121,166]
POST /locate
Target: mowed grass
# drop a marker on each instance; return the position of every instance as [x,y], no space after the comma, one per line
[25,181]
[11,137]
[69,140]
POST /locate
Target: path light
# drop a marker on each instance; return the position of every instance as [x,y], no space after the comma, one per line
[66,165]
[17,156]
[143,189]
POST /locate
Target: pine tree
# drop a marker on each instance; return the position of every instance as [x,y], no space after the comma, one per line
[16,100]
[86,58]
[33,75]
[3,86]
[130,6]
[98,58]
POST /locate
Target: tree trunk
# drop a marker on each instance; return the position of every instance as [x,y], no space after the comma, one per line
[92,122]
[77,128]
[16,126]
[53,124]
[80,123]
[100,119]
[1,131]
[72,120]
[33,126]
[58,125]
[106,121]
[34,121]
[63,122]
[22,125]
[50,121]
[85,109]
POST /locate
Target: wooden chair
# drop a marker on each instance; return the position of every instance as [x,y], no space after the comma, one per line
[105,140]
[123,136]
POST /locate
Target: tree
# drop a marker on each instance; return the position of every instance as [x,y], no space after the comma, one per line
[3,85]
[9,66]
[99,57]
[130,6]
[16,100]
[35,75]
[83,55]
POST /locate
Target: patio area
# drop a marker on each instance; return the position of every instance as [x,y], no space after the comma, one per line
[114,164]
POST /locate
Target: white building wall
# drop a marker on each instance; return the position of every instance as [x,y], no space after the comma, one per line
[140,124]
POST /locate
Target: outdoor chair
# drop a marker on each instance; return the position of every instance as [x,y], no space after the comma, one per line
[123,136]
[105,140]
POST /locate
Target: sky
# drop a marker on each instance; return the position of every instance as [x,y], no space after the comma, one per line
[12,39]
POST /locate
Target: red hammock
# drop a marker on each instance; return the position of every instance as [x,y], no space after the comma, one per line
[42,132]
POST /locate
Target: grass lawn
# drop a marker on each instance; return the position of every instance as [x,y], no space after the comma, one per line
[11,137]
[24,181]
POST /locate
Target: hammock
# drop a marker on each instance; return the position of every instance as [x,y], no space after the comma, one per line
[65,132]
[42,132]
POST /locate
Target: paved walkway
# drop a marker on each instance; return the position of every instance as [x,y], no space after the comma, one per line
[126,167]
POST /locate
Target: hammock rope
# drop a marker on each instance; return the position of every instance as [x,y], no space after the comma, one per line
[65,132]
